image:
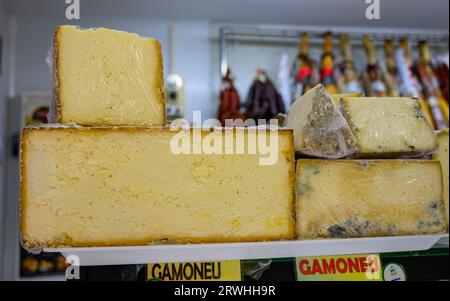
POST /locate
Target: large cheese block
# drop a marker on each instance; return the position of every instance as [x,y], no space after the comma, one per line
[389,126]
[442,156]
[345,198]
[320,130]
[107,77]
[136,186]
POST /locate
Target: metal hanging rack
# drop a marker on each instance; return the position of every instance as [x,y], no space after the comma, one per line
[292,36]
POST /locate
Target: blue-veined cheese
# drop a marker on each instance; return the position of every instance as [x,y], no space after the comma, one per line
[360,198]
[388,126]
[320,130]
[442,156]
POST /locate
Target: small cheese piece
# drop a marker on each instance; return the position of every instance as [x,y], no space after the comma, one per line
[344,198]
[320,130]
[337,97]
[442,156]
[136,186]
[389,126]
[107,77]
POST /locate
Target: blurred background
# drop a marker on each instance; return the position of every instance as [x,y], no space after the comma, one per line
[216,54]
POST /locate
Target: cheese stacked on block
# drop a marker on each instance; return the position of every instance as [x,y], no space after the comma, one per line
[442,156]
[389,126]
[344,198]
[107,77]
[127,186]
[320,130]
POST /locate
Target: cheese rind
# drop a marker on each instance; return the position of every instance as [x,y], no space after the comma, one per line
[388,126]
[107,77]
[364,198]
[320,130]
[442,156]
[126,186]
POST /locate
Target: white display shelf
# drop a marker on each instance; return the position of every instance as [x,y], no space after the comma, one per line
[257,250]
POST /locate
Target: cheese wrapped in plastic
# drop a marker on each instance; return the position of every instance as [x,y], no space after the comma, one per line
[442,156]
[344,198]
[107,77]
[110,186]
[389,127]
[320,130]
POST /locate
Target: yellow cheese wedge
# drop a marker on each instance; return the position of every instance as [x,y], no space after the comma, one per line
[388,126]
[442,156]
[107,77]
[129,186]
[344,198]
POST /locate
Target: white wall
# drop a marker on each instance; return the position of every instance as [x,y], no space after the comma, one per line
[191,52]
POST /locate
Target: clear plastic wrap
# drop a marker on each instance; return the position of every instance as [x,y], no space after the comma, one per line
[442,156]
[389,127]
[110,186]
[51,116]
[105,77]
[345,198]
[320,130]
[255,268]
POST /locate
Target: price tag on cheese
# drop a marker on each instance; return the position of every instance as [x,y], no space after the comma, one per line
[227,270]
[363,267]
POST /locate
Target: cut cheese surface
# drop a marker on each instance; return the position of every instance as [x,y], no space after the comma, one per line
[337,97]
[107,77]
[320,130]
[363,198]
[442,156]
[126,186]
[389,126]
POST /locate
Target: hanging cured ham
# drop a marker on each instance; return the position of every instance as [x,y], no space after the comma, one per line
[263,101]
[229,100]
